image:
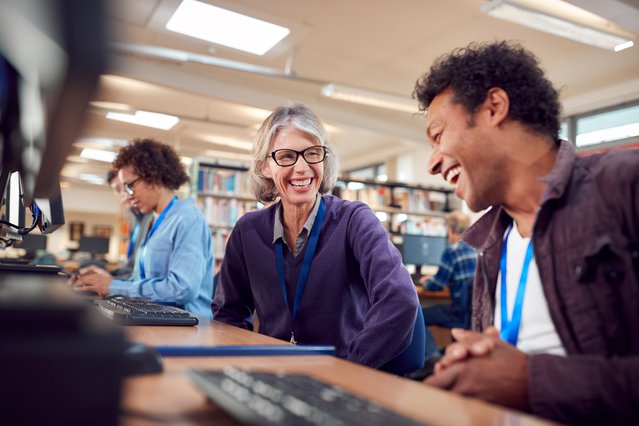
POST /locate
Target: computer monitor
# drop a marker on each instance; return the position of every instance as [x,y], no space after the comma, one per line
[421,250]
[94,245]
[32,242]
[46,83]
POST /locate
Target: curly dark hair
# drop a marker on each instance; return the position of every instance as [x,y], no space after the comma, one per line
[111,174]
[471,71]
[155,162]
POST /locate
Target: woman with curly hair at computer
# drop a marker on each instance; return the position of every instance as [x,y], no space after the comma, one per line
[175,261]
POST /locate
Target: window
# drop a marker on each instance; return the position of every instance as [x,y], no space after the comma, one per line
[614,126]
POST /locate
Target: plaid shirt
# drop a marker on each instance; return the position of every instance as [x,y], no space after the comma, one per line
[456,267]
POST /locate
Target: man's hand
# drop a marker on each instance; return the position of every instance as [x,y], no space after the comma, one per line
[467,343]
[482,365]
[422,279]
[94,279]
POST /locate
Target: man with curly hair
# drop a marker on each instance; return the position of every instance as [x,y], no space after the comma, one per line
[556,292]
[175,260]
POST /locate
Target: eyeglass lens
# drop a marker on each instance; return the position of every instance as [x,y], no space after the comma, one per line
[288,157]
[128,187]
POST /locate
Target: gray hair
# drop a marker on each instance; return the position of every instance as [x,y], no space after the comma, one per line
[302,118]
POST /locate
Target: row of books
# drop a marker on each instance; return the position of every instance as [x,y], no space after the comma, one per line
[408,200]
[222,181]
[435,227]
[373,196]
[223,212]
[419,201]
[220,237]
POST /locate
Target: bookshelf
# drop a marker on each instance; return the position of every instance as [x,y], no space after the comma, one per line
[403,208]
[222,194]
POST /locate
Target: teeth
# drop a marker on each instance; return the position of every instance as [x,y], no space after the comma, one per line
[452,174]
[301,183]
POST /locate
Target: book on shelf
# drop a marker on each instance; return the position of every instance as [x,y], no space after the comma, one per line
[223,212]
[222,181]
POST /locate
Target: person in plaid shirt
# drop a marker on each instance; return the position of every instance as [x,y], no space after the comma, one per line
[456,271]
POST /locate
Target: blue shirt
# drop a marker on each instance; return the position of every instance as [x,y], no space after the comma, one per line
[456,267]
[178,262]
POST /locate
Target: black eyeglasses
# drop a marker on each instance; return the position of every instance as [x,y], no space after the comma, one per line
[128,187]
[288,157]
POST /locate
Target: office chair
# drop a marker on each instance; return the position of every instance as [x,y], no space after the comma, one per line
[412,358]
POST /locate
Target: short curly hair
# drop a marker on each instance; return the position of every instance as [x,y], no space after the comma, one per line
[153,161]
[471,71]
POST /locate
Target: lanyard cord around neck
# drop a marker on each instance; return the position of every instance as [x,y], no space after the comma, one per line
[134,237]
[155,226]
[510,327]
[306,266]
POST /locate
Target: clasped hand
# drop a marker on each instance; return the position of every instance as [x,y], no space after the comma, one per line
[91,278]
[484,366]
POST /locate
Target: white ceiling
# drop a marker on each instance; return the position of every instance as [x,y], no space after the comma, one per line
[373,44]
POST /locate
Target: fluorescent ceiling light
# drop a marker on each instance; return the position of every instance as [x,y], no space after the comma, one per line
[365,97]
[221,26]
[98,154]
[145,118]
[562,19]
[98,180]
[93,142]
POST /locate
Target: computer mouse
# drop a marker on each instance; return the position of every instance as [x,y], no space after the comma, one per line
[141,359]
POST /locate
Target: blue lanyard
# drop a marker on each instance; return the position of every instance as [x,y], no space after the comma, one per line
[306,266]
[148,236]
[510,327]
[134,236]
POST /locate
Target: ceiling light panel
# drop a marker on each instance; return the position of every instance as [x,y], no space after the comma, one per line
[562,19]
[370,98]
[98,155]
[222,26]
[146,118]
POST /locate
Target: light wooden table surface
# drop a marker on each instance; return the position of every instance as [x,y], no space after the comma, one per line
[171,398]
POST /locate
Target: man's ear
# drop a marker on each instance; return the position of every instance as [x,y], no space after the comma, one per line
[497,104]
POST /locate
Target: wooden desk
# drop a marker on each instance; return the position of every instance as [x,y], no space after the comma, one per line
[207,333]
[430,298]
[171,398]
[434,295]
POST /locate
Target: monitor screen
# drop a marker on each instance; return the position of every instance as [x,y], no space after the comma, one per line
[95,245]
[32,242]
[422,249]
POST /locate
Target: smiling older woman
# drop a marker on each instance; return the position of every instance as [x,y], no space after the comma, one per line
[175,261]
[315,269]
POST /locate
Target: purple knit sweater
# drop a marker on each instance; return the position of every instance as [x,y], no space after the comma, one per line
[358,297]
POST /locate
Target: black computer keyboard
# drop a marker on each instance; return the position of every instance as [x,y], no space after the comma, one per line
[289,399]
[135,311]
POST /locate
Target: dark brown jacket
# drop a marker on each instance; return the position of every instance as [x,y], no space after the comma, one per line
[586,246]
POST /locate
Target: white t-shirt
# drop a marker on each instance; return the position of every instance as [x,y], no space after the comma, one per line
[537,333]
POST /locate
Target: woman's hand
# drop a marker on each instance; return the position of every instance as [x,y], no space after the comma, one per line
[93,279]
